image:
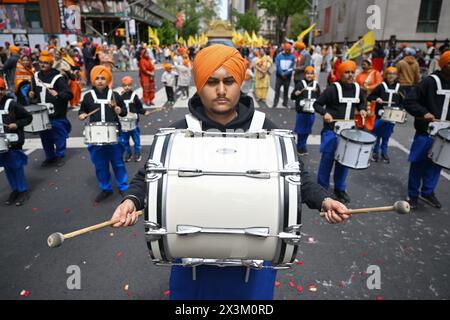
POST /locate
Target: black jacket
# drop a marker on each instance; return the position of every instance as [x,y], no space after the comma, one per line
[88,105]
[18,115]
[423,99]
[304,95]
[380,92]
[61,101]
[311,193]
[136,105]
[330,99]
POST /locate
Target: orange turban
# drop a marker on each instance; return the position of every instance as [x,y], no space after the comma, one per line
[309,69]
[346,66]
[46,56]
[429,44]
[211,58]
[180,50]
[101,70]
[186,62]
[167,66]
[390,69]
[13,49]
[445,59]
[287,45]
[185,56]
[127,80]
[2,84]
[300,45]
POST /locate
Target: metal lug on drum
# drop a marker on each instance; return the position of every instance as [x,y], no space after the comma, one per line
[154,171]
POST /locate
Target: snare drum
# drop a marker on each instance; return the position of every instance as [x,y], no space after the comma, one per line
[101,133]
[4,143]
[128,123]
[41,120]
[354,148]
[307,105]
[440,151]
[223,199]
[393,114]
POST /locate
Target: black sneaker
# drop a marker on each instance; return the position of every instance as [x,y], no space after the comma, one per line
[431,200]
[137,157]
[385,158]
[342,196]
[60,162]
[48,162]
[103,195]
[375,157]
[12,197]
[21,198]
[128,157]
[412,202]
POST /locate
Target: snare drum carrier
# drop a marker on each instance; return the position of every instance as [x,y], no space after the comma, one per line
[129,122]
[306,105]
[393,114]
[223,199]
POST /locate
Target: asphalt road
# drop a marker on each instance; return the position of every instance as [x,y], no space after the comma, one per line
[412,252]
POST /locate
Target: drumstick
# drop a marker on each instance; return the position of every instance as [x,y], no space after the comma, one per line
[401,207]
[92,112]
[56,239]
[156,110]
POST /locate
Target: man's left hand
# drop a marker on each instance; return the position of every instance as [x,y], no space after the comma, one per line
[363,113]
[335,211]
[52,92]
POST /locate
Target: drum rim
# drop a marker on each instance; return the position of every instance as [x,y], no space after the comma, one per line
[440,135]
[361,142]
[101,123]
[35,106]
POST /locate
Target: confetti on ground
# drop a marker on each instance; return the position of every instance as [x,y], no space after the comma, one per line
[167,293]
[311,240]
[341,284]
[111,234]
[27,228]
[299,263]
[364,254]
[380,298]
[129,294]
[66,210]
[119,254]
[95,204]
[126,287]
[25,293]
[34,210]
[84,262]
[277,284]
[51,184]
[312,288]
[299,289]
[291,284]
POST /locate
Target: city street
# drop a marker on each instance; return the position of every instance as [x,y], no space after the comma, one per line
[411,251]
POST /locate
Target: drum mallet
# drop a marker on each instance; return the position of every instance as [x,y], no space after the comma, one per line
[56,239]
[401,207]
[92,112]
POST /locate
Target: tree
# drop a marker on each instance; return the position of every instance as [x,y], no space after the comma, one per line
[167,33]
[247,21]
[282,10]
[299,22]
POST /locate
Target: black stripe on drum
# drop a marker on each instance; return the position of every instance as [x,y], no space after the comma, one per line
[285,201]
[159,196]
[299,203]
[147,209]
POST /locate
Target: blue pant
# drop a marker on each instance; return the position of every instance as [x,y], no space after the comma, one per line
[328,147]
[223,283]
[125,140]
[101,156]
[303,127]
[423,173]
[54,140]
[383,131]
[14,161]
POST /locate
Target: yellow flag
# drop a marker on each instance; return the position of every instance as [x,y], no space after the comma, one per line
[151,34]
[247,39]
[254,39]
[180,41]
[363,45]
[156,39]
[302,34]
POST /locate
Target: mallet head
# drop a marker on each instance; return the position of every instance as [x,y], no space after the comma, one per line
[55,240]
[402,207]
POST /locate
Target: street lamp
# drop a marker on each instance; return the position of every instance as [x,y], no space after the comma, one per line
[127,19]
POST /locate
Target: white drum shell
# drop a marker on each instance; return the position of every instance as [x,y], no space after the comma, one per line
[128,124]
[101,133]
[440,151]
[41,120]
[307,105]
[353,154]
[393,114]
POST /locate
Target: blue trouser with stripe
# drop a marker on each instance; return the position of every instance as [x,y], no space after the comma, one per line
[102,156]
[423,173]
[135,135]
[54,140]
[328,145]
[383,131]
[14,161]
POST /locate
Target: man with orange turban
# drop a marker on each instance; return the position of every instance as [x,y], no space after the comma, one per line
[428,101]
[134,108]
[285,62]
[305,94]
[218,105]
[341,99]
[387,91]
[50,88]
[102,104]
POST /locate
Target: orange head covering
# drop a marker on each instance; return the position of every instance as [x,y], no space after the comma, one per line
[167,66]
[287,45]
[101,70]
[185,56]
[309,69]
[211,58]
[46,56]
[300,45]
[127,80]
[346,66]
[429,44]
[445,59]
[13,49]
[2,84]
[404,45]
[180,50]
[390,69]
[186,62]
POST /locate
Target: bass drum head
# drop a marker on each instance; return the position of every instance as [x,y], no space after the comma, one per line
[359,136]
[35,108]
[444,134]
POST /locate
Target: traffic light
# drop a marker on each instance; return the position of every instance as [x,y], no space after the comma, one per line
[120,32]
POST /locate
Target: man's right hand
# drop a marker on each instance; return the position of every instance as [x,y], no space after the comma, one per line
[429,117]
[82,116]
[328,118]
[126,214]
[31,94]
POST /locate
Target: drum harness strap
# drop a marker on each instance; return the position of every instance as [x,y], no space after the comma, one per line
[446,93]
[391,92]
[2,112]
[128,102]
[348,101]
[102,102]
[256,125]
[46,86]
[310,89]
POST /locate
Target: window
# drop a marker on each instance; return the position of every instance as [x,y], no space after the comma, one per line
[33,17]
[430,10]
